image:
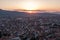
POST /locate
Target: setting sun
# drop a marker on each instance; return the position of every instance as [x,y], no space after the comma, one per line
[30,6]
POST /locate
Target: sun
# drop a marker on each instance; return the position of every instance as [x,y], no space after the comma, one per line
[29,6]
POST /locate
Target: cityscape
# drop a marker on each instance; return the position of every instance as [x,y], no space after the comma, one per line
[38,26]
[29,19]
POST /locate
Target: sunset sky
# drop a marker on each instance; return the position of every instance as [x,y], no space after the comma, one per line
[32,4]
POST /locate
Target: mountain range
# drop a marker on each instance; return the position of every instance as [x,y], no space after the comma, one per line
[24,14]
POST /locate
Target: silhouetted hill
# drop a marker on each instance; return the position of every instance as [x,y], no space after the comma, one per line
[12,13]
[5,13]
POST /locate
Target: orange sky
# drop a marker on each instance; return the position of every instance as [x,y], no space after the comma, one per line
[39,4]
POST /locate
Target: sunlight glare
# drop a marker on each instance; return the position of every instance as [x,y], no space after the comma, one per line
[30,5]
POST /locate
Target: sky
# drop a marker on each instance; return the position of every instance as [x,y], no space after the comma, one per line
[20,4]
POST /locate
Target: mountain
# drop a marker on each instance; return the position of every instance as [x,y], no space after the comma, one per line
[5,13]
[12,13]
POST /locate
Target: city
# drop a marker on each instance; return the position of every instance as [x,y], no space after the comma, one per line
[32,27]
